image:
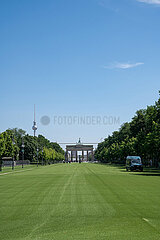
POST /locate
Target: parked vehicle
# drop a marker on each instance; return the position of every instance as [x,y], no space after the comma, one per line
[134,163]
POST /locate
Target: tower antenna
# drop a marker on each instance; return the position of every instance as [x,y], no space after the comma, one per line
[34,122]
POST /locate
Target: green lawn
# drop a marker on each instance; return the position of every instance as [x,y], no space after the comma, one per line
[79,201]
[9,170]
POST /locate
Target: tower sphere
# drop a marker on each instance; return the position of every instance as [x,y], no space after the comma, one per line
[34,127]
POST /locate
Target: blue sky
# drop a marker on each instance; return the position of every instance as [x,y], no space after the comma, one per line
[77,58]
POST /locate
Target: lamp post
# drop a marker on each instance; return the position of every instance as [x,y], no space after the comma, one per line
[22,152]
[0,165]
[37,156]
[13,142]
[42,156]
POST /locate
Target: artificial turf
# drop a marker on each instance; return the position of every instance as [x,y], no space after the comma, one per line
[79,201]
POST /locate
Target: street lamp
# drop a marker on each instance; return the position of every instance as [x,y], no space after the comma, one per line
[42,156]
[37,156]
[13,142]
[22,152]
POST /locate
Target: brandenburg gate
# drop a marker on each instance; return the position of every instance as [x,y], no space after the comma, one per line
[79,147]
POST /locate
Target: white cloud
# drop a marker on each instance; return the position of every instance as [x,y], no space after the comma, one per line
[124,65]
[107,5]
[157,2]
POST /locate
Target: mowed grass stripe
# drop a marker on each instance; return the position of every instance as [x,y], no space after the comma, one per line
[79,201]
[8,170]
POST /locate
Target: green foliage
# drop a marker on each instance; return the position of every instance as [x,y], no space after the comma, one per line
[8,145]
[2,144]
[141,137]
[11,146]
[30,149]
[42,141]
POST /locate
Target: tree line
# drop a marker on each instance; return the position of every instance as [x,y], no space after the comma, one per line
[15,142]
[139,137]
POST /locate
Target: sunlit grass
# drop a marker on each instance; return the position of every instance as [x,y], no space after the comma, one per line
[8,169]
[79,201]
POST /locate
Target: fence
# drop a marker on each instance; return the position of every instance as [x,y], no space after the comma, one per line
[16,163]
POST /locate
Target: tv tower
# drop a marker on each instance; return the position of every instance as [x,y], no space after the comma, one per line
[34,122]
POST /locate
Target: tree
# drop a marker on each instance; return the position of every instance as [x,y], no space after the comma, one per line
[140,137]
[51,151]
